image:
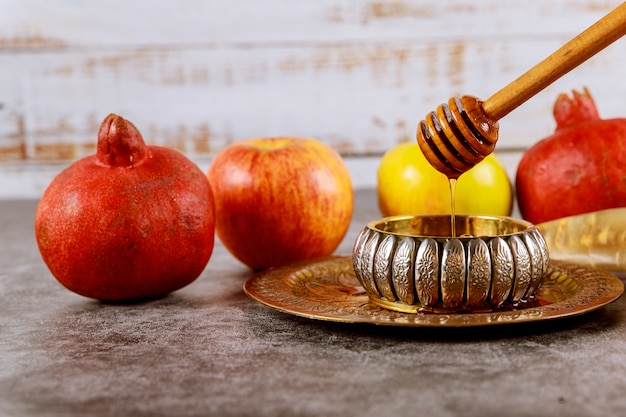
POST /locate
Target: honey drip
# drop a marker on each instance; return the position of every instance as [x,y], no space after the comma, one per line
[452,182]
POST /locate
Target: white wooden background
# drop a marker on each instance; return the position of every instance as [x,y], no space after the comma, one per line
[199,74]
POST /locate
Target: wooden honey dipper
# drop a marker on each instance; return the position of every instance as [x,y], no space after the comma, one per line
[463,131]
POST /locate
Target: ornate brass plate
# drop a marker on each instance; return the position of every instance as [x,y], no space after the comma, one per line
[327,289]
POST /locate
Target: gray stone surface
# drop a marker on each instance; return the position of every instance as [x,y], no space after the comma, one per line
[208,350]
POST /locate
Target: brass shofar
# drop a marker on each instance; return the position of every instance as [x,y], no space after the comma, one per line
[463,131]
[596,239]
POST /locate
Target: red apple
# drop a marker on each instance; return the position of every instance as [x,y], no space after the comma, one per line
[280,200]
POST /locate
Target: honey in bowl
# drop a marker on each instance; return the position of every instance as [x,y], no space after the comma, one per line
[411,263]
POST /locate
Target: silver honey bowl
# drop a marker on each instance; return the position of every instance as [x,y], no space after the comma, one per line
[411,264]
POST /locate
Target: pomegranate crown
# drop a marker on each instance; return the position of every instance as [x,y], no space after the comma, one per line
[120,143]
[579,108]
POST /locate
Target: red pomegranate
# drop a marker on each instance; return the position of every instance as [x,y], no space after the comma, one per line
[579,169]
[132,221]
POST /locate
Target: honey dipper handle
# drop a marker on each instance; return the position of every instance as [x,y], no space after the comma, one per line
[597,37]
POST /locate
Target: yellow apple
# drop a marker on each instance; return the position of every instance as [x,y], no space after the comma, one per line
[408,184]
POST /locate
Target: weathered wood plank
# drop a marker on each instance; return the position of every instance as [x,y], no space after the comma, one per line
[361,99]
[66,23]
[196,75]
